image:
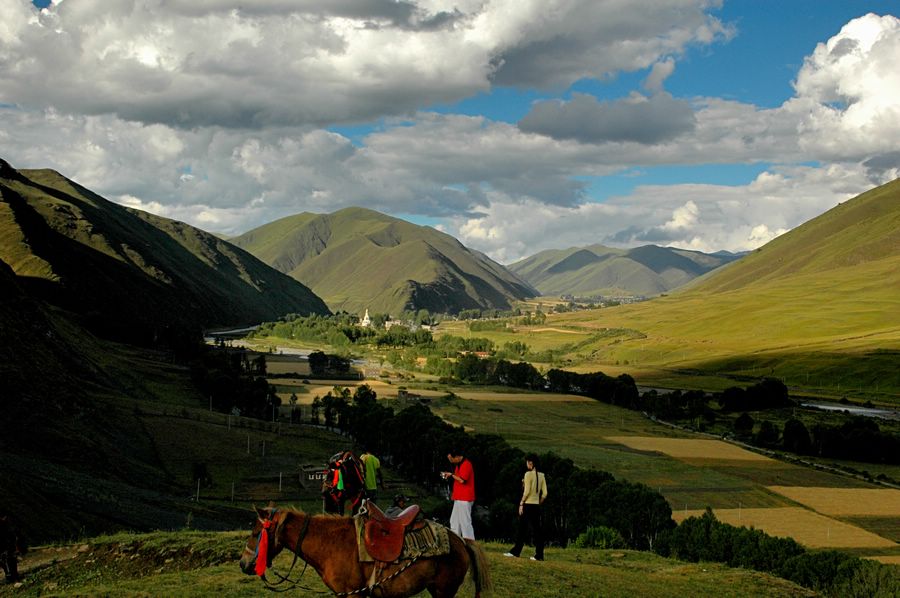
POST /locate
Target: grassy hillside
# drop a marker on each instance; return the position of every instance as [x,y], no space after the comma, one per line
[202,564]
[358,259]
[127,273]
[818,307]
[597,270]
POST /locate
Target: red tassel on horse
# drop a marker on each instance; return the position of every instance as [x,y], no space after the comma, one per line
[262,549]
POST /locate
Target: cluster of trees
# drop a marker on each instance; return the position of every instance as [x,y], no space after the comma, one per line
[770,393]
[235,383]
[415,442]
[857,439]
[326,365]
[833,573]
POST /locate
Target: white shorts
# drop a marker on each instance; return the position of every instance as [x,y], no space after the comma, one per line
[461,519]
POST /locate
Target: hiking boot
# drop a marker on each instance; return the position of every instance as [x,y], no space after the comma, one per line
[534,558]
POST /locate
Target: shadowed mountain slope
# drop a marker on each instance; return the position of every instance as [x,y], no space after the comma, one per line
[357,259]
[598,270]
[131,275]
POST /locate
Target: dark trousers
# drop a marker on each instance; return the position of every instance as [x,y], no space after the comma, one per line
[530,518]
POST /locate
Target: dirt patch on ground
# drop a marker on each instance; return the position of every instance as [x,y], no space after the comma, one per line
[44,556]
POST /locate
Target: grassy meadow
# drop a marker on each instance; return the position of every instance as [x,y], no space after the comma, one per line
[188,563]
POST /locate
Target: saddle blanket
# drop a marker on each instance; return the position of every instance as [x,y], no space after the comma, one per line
[431,540]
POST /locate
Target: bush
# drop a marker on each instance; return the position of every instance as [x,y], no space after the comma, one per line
[600,537]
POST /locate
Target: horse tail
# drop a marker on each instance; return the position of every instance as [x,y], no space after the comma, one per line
[478,564]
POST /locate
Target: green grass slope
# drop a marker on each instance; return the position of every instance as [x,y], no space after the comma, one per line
[98,436]
[358,259]
[597,270]
[128,273]
[819,307]
[189,563]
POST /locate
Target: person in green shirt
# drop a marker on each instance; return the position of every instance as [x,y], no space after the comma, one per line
[372,475]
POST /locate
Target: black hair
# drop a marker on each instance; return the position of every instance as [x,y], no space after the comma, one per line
[534,460]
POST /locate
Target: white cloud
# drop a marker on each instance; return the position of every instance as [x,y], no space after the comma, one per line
[658,74]
[700,217]
[293,63]
[201,112]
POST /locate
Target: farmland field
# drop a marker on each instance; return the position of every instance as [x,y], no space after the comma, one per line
[689,448]
[875,502]
[809,528]
[691,473]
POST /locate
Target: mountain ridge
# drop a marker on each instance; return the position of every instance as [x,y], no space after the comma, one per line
[596,270]
[130,273]
[358,259]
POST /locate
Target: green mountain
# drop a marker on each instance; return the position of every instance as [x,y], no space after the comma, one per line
[597,270]
[128,274]
[818,307]
[358,259]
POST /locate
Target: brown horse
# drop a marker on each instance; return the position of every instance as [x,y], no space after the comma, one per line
[328,544]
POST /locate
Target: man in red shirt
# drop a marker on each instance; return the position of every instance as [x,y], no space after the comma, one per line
[463,494]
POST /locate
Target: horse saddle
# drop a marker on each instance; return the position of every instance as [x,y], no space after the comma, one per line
[383,533]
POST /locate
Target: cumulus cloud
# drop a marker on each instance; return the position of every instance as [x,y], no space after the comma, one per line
[636,118]
[700,217]
[285,63]
[216,114]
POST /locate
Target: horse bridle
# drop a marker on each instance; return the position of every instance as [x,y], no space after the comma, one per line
[298,550]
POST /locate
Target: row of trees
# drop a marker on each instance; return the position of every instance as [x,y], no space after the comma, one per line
[833,573]
[416,442]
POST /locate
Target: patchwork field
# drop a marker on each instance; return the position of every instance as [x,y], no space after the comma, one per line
[809,528]
[875,502]
[692,473]
[690,448]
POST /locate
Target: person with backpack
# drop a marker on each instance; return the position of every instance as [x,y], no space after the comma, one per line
[534,492]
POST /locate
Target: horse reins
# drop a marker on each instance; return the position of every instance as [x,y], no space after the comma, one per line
[297,552]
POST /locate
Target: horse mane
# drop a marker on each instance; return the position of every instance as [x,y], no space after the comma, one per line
[295,511]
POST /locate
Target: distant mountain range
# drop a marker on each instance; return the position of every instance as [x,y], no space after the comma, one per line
[358,259]
[603,271]
[128,274]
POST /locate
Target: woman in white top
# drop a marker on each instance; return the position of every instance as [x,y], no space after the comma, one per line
[534,492]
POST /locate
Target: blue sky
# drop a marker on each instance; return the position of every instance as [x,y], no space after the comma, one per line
[515,126]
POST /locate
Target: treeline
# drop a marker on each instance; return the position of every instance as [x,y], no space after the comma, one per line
[858,438]
[235,382]
[833,573]
[415,442]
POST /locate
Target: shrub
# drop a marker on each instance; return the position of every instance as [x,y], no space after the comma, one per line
[600,537]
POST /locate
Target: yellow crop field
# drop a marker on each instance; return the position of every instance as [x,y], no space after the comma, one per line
[873,502]
[537,397]
[288,367]
[891,559]
[689,448]
[806,527]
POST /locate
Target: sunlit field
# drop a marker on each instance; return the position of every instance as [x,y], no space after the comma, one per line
[806,527]
[877,502]
[685,448]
